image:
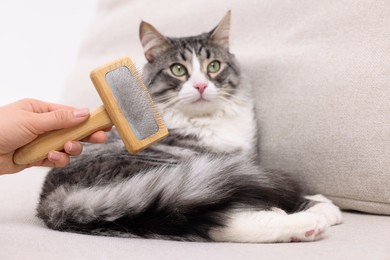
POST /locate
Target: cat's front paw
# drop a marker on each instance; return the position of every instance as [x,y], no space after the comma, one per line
[326,208]
[310,227]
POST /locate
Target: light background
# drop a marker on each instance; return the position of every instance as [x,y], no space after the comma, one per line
[39,43]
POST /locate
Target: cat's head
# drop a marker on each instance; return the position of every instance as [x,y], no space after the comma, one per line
[196,75]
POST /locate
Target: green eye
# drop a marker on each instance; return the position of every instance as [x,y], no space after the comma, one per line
[214,66]
[178,70]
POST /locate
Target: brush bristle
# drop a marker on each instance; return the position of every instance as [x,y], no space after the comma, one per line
[133,101]
[129,105]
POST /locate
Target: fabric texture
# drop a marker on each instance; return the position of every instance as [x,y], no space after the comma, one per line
[321,72]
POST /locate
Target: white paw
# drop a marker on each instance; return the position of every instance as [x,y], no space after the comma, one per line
[309,227]
[331,212]
[326,208]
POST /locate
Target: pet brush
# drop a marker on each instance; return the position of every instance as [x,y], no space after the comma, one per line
[127,105]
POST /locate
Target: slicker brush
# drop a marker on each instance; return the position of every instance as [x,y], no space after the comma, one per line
[126,104]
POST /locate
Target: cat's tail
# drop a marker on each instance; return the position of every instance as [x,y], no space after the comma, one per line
[182,202]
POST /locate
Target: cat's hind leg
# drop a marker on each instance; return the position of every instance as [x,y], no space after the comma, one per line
[271,226]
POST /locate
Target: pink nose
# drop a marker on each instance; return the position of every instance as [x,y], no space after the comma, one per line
[200,86]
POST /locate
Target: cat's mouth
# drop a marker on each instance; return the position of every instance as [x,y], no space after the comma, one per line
[200,106]
[200,100]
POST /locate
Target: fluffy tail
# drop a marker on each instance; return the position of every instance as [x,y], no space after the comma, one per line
[181,202]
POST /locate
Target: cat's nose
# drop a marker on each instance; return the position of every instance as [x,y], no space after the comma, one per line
[200,86]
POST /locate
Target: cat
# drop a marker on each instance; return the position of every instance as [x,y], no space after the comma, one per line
[202,183]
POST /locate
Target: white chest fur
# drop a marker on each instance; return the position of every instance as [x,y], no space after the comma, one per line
[228,130]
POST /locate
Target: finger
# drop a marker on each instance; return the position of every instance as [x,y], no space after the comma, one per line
[96,138]
[56,159]
[73,148]
[39,106]
[58,119]
[108,129]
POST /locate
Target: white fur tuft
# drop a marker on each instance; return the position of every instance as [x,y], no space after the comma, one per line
[271,226]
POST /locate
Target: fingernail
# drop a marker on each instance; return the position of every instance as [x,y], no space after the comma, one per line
[54,156]
[83,112]
[69,146]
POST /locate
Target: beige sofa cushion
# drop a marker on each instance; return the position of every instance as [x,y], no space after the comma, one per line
[321,71]
[323,88]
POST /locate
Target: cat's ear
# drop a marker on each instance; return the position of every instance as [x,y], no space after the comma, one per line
[220,34]
[153,42]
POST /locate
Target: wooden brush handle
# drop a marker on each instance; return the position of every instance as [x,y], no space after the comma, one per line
[55,140]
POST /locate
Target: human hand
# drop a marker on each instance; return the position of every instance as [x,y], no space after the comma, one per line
[25,120]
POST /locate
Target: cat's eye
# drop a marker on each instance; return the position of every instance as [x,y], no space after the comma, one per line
[178,70]
[214,66]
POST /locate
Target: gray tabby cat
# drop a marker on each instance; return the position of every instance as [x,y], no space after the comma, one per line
[202,183]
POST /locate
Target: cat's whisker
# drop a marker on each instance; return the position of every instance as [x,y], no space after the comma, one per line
[228,101]
[228,94]
[165,97]
[232,98]
[171,102]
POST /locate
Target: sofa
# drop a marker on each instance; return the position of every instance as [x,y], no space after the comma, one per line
[321,74]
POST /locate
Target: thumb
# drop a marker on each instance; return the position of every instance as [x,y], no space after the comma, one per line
[59,119]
